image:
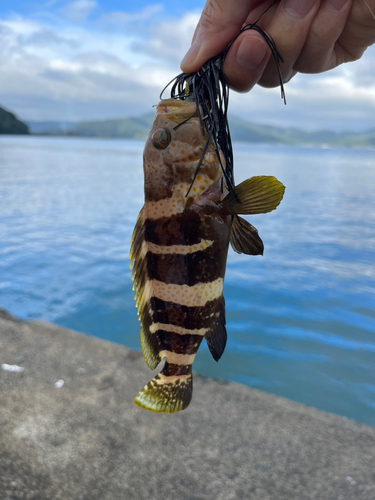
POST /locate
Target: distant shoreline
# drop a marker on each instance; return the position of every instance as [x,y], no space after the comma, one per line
[137,128]
[323,145]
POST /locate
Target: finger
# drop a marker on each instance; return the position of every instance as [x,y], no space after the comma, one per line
[359,32]
[318,53]
[289,28]
[220,23]
[246,61]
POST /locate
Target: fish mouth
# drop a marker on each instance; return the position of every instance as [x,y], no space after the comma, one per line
[176,110]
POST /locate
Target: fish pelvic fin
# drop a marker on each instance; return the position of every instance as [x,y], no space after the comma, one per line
[216,337]
[258,195]
[166,394]
[244,238]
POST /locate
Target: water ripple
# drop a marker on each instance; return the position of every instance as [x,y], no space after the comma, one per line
[300,320]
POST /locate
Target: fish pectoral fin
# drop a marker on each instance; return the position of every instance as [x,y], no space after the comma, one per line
[216,337]
[244,238]
[258,195]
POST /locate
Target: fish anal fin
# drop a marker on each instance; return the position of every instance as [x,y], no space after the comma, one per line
[216,337]
[244,238]
[258,195]
[150,348]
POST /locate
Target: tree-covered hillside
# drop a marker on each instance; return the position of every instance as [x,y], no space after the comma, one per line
[241,131]
[10,124]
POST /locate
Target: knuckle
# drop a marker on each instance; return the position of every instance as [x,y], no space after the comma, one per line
[214,17]
[210,15]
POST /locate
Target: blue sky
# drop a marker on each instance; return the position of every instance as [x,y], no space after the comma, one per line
[29,8]
[97,59]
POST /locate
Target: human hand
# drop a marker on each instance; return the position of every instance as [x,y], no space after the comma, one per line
[312,36]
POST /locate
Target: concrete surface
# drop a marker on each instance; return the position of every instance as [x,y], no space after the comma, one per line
[86,440]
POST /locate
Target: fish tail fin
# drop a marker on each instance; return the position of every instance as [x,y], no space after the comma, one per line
[166,394]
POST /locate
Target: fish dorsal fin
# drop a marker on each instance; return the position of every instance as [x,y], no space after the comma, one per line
[216,337]
[138,262]
[244,238]
[258,195]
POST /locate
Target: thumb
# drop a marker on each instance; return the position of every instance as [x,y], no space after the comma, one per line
[219,24]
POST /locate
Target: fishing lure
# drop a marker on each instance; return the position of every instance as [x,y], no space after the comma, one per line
[181,238]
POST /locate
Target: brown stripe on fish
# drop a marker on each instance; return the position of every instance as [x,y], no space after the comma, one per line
[162,379]
[176,343]
[199,267]
[192,318]
[170,231]
[157,173]
[174,370]
[163,343]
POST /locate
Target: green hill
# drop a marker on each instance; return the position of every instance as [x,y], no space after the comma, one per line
[124,128]
[366,139]
[49,127]
[241,131]
[9,124]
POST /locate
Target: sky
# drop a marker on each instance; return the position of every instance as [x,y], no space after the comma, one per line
[98,59]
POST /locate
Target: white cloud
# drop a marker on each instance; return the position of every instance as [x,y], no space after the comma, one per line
[170,40]
[131,20]
[117,65]
[78,10]
[74,73]
[341,99]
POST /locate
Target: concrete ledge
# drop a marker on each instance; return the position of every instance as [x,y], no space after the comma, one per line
[87,440]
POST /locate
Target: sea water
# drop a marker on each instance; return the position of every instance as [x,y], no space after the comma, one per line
[300,319]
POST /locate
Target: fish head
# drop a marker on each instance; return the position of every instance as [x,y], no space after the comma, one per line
[173,151]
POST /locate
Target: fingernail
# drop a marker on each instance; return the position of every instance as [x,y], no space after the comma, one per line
[191,54]
[299,8]
[335,4]
[250,58]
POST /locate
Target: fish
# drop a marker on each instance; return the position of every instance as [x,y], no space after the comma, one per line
[180,244]
[191,214]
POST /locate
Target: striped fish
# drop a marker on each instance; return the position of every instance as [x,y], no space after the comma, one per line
[179,248]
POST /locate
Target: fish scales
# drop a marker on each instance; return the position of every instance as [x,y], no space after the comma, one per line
[179,251]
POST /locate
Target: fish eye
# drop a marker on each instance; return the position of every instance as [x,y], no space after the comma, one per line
[161,138]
